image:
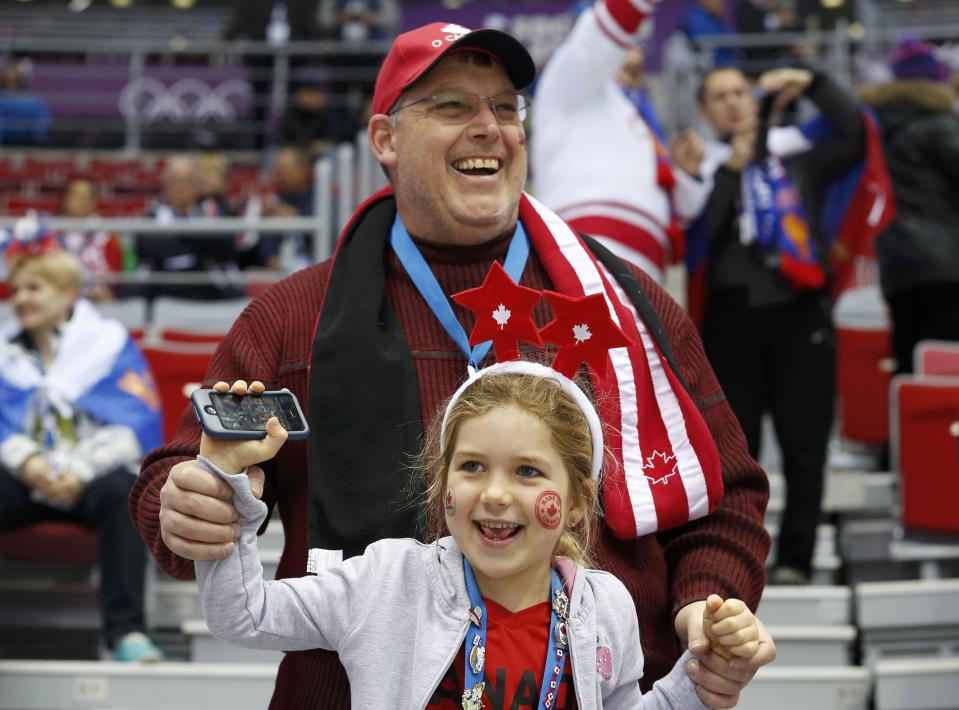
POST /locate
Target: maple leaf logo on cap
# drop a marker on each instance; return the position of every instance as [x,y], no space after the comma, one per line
[659,467]
[456,30]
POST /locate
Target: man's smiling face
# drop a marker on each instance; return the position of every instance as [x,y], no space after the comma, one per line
[457,182]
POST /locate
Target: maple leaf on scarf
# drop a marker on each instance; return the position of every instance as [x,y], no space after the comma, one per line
[504,313]
[659,467]
[584,332]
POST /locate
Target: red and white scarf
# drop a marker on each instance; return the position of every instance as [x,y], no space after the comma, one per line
[662,467]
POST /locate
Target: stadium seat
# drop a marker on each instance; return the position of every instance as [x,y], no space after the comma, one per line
[864,367]
[923,422]
[191,316]
[49,172]
[937,358]
[178,369]
[49,541]
[19,205]
[132,312]
[172,335]
[133,206]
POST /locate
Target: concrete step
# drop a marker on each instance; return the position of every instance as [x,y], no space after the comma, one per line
[917,684]
[808,645]
[813,605]
[206,649]
[81,685]
[911,618]
[801,688]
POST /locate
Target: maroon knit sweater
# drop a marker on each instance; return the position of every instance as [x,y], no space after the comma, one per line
[723,553]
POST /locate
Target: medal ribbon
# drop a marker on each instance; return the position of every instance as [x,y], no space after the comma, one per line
[474,677]
[431,291]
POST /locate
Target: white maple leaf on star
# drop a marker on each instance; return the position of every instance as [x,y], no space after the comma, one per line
[502,315]
[581,333]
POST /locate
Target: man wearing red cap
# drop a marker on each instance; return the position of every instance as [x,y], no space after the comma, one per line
[370,340]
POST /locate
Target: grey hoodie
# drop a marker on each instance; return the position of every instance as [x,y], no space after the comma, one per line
[398,614]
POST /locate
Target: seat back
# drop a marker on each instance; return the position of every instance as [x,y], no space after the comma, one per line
[924,418]
[178,369]
[49,541]
[937,358]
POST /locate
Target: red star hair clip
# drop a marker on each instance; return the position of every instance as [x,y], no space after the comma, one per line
[504,313]
[29,237]
[584,332]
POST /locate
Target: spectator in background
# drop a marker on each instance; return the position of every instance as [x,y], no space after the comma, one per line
[100,252]
[277,23]
[24,118]
[79,413]
[598,156]
[707,19]
[311,121]
[293,176]
[213,259]
[766,17]
[919,253]
[767,326]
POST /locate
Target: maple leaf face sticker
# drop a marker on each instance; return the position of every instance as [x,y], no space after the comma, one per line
[581,333]
[549,509]
[502,315]
[659,467]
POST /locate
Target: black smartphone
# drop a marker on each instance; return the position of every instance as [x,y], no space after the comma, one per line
[228,416]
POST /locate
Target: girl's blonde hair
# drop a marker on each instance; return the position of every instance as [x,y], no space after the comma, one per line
[57,266]
[569,432]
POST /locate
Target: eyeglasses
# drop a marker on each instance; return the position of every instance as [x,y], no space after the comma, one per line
[456,106]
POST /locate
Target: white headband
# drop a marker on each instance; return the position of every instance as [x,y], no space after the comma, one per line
[522,367]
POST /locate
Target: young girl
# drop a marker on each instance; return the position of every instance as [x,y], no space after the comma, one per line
[501,612]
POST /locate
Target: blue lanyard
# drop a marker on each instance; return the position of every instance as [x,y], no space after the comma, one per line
[474,678]
[431,291]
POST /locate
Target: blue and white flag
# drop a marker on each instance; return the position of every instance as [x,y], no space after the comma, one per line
[97,371]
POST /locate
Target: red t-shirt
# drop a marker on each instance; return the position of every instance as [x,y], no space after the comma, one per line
[516,646]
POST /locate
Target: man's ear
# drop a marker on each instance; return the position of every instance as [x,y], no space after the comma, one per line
[379,132]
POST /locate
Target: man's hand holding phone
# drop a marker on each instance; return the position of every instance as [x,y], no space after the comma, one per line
[235,454]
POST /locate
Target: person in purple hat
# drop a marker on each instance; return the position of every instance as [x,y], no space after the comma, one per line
[919,254]
[371,344]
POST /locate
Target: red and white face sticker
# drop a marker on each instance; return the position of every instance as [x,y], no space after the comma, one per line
[450,502]
[549,509]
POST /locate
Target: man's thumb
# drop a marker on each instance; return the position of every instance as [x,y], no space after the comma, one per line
[257,479]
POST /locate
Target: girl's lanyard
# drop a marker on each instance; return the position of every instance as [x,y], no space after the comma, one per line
[474,679]
[431,291]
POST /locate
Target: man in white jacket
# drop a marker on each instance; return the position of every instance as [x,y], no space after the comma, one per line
[596,160]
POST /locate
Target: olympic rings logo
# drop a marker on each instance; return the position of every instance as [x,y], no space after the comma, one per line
[187,99]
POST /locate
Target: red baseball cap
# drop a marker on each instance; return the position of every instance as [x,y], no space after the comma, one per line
[416,52]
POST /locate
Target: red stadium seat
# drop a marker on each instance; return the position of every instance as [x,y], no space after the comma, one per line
[178,369]
[864,367]
[925,451]
[50,172]
[18,205]
[191,336]
[49,541]
[122,206]
[937,358]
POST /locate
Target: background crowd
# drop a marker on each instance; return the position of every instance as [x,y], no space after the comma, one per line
[786,187]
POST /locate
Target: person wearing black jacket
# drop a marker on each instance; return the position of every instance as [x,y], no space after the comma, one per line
[919,253]
[771,341]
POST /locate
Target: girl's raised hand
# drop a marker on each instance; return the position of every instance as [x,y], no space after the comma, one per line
[231,455]
[731,627]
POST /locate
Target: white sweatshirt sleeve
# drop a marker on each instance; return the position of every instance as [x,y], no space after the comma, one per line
[592,54]
[290,614]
